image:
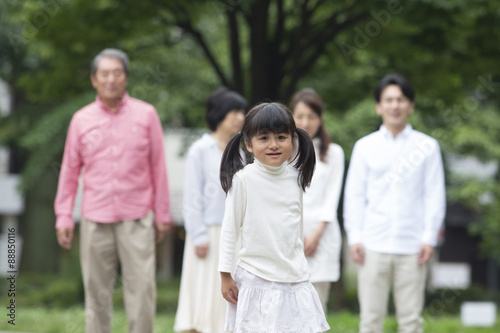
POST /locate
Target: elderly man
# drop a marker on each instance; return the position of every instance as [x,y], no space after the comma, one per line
[118,141]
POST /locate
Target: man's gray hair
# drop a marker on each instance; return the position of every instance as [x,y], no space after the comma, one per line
[109,53]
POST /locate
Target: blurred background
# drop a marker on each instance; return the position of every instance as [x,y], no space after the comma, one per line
[181,51]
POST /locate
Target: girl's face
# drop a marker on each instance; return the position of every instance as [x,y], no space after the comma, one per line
[272,149]
[306,119]
[233,122]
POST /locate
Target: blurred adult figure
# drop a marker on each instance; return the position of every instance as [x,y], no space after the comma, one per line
[118,141]
[394,207]
[201,306]
[322,237]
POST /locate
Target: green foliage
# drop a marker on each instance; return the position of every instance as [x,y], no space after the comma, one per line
[438,47]
[476,133]
[446,302]
[350,126]
[181,51]
[45,141]
[488,226]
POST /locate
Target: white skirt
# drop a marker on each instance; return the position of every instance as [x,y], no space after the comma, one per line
[201,306]
[274,307]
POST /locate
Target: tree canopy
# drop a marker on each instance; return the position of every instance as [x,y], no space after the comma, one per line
[181,51]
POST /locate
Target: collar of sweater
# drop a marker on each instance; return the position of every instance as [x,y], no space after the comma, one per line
[275,170]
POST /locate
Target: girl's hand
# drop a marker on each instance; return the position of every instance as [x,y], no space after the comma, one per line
[229,289]
[201,250]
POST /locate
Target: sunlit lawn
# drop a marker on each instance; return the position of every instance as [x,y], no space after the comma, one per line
[71,320]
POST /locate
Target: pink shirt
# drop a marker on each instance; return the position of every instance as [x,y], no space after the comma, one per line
[124,175]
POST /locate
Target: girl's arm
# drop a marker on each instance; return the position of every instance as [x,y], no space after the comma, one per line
[229,289]
[231,225]
[234,214]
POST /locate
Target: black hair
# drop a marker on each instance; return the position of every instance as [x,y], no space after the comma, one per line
[398,80]
[268,118]
[220,103]
[310,97]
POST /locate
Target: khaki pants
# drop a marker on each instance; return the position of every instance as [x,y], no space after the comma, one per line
[103,247]
[374,281]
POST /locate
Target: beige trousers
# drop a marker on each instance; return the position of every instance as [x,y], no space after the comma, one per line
[105,246]
[375,277]
[323,290]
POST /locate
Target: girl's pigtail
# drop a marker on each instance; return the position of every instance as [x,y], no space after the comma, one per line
[306,159]
[231,162]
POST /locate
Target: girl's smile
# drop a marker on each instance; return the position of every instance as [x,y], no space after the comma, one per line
[272,149]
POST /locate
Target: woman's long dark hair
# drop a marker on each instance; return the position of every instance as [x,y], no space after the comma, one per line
[311,98]
[268,118]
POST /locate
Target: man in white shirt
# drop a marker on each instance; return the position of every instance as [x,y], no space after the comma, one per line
[394,206]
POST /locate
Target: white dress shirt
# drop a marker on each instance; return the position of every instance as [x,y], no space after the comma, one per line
[264,208]
[203,196]
[394,197]
[321,201]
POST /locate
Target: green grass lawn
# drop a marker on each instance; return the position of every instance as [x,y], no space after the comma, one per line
[55,304]
[71,320]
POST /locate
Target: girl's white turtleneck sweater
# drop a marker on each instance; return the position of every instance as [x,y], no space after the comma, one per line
[264,208]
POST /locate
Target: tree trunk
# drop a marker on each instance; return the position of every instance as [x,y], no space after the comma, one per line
[234,44]
[40,251]
[260,86]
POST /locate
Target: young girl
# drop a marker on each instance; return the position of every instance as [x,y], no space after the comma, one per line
[322,237]
[201,308]
[270,291]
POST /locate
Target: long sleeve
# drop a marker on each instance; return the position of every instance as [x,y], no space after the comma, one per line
[68,178]
[434,197]
[394,198]
[233,220]
[193,199]
[331,200]
[354,197]
[161,195]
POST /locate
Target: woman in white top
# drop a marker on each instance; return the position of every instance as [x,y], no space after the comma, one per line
[269,290]
[201,307]
[322,241]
